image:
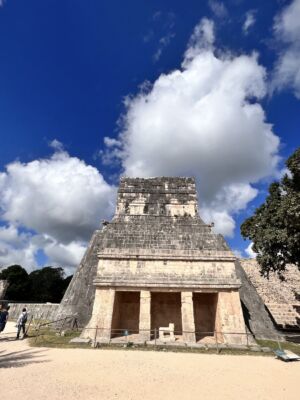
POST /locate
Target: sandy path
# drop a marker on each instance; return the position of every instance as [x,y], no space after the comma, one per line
[71,374]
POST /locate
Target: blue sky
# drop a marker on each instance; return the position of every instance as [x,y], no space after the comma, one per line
[66,68]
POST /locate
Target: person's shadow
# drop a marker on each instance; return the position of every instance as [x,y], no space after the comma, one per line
[20,358]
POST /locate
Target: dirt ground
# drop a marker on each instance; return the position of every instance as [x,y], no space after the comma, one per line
[71,374]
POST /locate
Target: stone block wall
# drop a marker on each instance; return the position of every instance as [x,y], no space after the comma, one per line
[257,319]
[157,196]
[282,298]
[160,273]
[46,311]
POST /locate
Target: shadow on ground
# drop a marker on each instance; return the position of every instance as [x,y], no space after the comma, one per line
[20,358]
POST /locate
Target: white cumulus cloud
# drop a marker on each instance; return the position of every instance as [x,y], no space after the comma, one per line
[249,251]
[203,120]
[60,196]
[203,37]
[59,200]
[287,32]
[16,248]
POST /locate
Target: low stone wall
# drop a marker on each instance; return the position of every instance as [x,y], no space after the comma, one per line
[45,311]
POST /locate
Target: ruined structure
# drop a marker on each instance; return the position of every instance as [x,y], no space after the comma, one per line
[159,264]
[79,297]
[256,316]
[281,298]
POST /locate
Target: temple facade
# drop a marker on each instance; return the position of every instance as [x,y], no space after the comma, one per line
[162,273]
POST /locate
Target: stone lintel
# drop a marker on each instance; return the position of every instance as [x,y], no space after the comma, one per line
[178,285]
[167,289]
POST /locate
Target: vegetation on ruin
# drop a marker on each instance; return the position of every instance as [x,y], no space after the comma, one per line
[274,228]
[42,285]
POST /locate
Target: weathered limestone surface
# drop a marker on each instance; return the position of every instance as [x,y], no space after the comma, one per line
[3,287]
[157,242]
[188,323]
[79,297]
[231,320]
[101,318]
[167,273]
[45,311]
[282,298]
[145,315]
[257,318]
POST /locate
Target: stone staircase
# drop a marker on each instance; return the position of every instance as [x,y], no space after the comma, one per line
[285,315]
[281,298]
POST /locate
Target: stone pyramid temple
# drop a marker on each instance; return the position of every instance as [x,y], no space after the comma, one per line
[158,270]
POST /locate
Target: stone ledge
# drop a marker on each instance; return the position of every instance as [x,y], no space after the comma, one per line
[166,284]
[167,254]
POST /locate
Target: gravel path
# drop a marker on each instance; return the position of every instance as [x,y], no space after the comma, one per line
[69,374]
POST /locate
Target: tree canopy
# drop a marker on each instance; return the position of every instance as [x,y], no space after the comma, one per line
[275,226]
[41,285]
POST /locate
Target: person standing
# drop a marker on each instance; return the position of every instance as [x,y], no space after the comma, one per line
[21,323]
[4,314]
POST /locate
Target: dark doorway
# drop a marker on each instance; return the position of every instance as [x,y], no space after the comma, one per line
[126,313]
[205,307]
[166,309]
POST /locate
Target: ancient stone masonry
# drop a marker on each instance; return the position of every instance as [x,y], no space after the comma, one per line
[44,311]
[282,298]
[79,297]
[257,319]
[160,264]
[3,287]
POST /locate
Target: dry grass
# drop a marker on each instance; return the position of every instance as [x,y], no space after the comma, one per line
[50,338]
[295,348]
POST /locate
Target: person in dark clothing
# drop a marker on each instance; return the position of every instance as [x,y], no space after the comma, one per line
[4,314]
[21,323]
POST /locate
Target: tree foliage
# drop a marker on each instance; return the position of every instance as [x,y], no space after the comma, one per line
[41,285]
[275,226]
[17,278]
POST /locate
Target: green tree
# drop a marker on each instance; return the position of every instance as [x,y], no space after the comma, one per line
[275,226]
[41,285]
[47,284]
[18,283]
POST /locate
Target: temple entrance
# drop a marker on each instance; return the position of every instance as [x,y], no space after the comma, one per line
[205,308]
[125,320]
[166,309]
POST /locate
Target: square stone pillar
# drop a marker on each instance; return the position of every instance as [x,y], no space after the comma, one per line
[230,321]
[187,315]
[145,315]
[99,326]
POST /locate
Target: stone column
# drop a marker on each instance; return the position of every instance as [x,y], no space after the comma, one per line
[145,315]
[230,320]
[187,315]
[101,316]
